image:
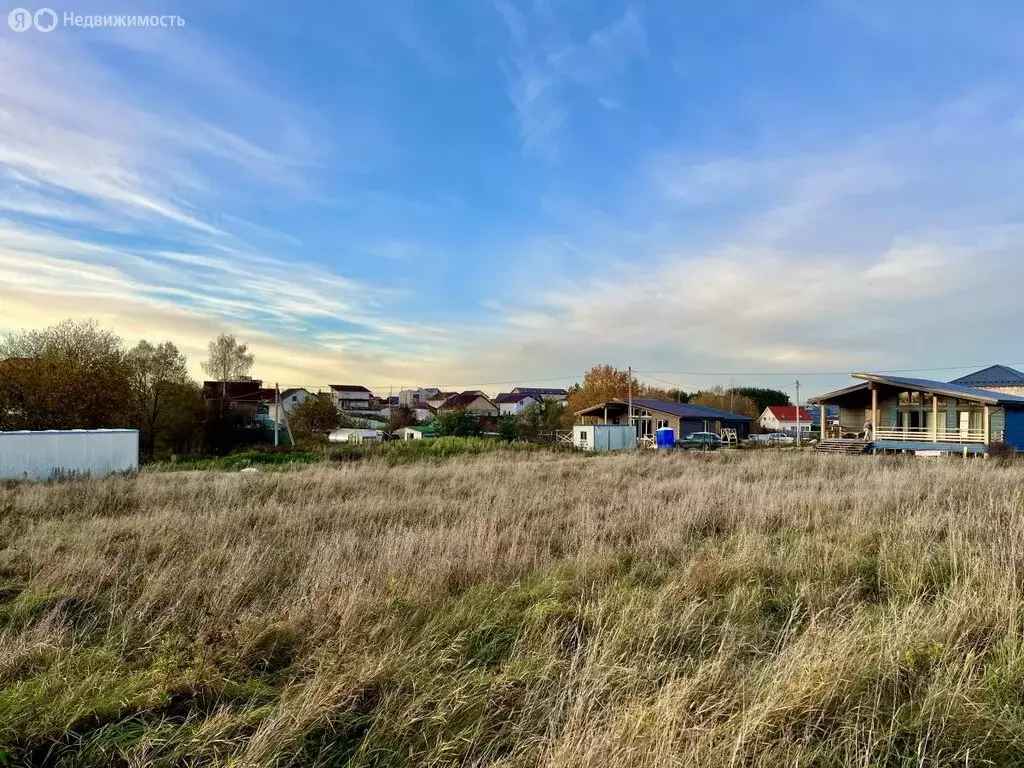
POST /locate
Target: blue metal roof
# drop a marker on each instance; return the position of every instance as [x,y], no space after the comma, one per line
[943,388]
[686,410]
[993,376]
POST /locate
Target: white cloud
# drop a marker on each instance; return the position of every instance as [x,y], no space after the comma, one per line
[545,64]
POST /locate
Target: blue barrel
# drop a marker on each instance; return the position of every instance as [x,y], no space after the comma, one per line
[666,437]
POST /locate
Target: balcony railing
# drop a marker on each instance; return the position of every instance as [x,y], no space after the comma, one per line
[927,435]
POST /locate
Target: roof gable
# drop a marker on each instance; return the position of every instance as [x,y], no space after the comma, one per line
[540,391]
[993,376]
[464,400]
[512,397]
[788,412]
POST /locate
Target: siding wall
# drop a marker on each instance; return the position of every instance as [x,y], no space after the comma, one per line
[40,455]
[1014,418]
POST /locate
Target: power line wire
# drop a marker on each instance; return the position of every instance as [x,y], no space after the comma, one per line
[817,373]
[650,375]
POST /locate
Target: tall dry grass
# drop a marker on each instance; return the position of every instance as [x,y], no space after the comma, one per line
[519,610]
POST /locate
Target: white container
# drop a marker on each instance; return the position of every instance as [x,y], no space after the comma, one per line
[604,437]
[41,455]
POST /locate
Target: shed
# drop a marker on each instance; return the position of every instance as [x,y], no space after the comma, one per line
[604,437]
[26,455]
[408,433]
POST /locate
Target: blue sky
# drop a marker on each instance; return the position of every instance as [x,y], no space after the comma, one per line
[460,193]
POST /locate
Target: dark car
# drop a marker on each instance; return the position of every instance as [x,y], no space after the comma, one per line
[700,441]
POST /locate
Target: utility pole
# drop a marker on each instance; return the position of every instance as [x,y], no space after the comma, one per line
[630,399]
[277,410]
[798,413]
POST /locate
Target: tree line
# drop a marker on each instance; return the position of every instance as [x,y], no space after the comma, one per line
[606,382]
[77,375]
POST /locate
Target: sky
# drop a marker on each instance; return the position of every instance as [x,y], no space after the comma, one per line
[494,192]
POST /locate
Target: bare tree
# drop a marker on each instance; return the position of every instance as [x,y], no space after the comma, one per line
[156,371]
[229,359]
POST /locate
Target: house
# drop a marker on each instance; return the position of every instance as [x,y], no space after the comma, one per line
[513,403]
[542,393]
[247,397]
[290,398]
[472,402]
[650,415]
[995,378]
[351,397]
[783,418]
[416,396]
[884,413]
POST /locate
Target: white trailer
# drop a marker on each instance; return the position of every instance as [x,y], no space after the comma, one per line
[604,437]
[42,455]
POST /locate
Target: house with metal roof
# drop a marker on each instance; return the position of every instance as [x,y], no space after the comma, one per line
[542,393]
[895,413]
[514,403]
[995,378]
[650,415]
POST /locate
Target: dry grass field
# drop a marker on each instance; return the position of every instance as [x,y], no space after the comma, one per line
[530,609]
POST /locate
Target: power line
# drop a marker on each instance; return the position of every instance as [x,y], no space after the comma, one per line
[816,373]
[571,377]
[650,375]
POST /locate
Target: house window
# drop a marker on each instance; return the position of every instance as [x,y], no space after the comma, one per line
[295,398]
[662,423]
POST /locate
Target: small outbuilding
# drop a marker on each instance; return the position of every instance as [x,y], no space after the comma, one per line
[81,452]
[408,433]
[604,437]
[354,435]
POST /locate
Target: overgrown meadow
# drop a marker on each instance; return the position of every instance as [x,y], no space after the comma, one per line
[518,609]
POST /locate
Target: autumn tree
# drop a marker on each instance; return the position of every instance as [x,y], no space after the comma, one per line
[228,360]
[156,372]
[73,375]
[606,382]
[600,384]
[313,416]
[727,400]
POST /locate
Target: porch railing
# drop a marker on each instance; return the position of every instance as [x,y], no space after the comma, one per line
[926,435]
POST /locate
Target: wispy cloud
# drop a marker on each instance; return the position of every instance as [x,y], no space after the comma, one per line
[824,259]
[115,206]
[546,65]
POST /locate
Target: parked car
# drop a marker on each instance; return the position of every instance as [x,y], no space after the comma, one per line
[700,441]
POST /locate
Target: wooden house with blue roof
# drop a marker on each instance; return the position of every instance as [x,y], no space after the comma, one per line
[895,413]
